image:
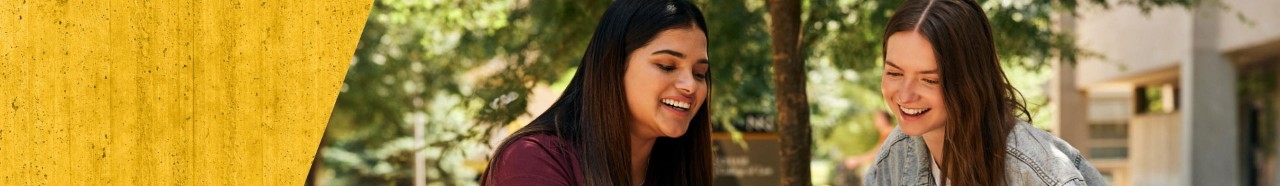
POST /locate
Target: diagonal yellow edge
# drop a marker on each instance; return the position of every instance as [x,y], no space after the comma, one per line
[169,93]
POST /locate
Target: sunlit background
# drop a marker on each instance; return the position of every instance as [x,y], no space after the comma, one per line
[1153,92]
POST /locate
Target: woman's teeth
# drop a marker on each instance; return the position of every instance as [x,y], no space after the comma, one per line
[677,104]
[913,111]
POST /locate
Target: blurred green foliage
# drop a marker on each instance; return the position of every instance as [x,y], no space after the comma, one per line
[456,70]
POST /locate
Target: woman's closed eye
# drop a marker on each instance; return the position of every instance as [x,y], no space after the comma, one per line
[672,68]
[666,68]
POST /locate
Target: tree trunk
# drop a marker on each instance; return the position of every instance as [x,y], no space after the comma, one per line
[317,164]
[792,102]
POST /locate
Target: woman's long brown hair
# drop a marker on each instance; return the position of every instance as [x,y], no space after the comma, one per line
[982,106]
[592,113]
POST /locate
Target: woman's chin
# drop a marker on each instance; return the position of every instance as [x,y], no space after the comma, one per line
[672,129]
[674,132]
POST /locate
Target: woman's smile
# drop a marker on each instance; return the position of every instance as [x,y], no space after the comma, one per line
[677,106]
[912,114]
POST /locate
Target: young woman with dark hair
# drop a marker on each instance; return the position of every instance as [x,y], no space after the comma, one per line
[634,113]
[958,113]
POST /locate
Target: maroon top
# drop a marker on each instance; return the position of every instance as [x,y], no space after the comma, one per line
[538,159]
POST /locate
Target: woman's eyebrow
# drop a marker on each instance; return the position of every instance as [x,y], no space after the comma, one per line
[669,52]
[890,63]
[679,55]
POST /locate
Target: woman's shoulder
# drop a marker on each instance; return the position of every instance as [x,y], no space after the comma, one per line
[1029,139]
[1035,156]
[1033,143]
[535,158]
[543,141]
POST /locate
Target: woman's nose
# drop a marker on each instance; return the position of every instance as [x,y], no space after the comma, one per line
[907,93]
[685,83]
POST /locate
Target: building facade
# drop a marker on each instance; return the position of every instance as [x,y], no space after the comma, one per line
[1177,96]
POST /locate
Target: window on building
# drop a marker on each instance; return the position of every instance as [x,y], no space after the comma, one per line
[1158,98]
[1109,126]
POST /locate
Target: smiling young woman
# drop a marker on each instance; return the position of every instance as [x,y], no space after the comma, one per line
[958,113]
[635,112]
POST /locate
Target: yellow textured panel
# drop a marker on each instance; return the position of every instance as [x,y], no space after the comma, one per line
[169,93]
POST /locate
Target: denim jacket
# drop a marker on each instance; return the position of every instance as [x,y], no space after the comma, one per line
[1034,157]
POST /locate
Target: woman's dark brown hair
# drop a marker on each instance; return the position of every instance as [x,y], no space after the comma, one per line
[592,113]
[982,106]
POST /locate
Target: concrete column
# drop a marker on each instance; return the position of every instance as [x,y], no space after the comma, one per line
[1210,143]
[1069,106]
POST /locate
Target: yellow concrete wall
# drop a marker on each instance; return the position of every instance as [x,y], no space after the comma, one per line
[169,92]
